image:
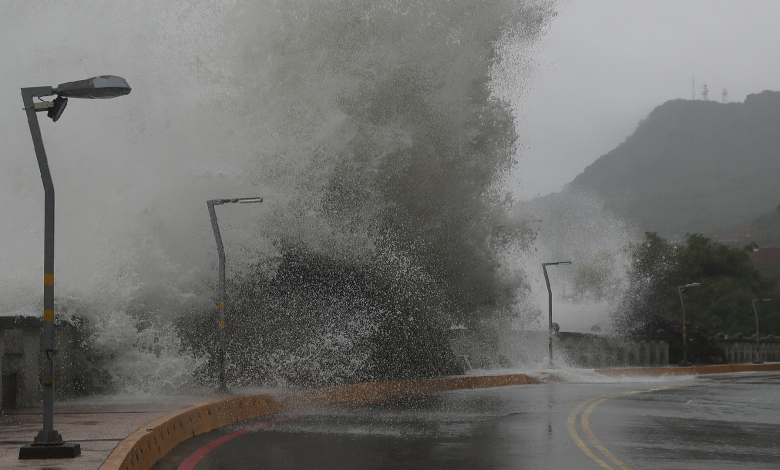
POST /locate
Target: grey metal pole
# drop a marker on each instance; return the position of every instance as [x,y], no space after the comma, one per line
[221,301]
[549,292]
[758,345]
[48,435]
[48,443]
[680,290]
[758,352]
[220,290]
[550,328]
[685,335]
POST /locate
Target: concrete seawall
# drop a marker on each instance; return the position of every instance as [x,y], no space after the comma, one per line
[742,350]
[585,350]
[21,361]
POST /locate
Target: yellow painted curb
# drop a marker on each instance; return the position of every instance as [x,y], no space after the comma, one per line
[695,370]
[142,449]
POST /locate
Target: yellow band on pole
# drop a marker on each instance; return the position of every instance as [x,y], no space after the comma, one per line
[48,316]
[48,279]
[222,305]
[48,380]
[222,324]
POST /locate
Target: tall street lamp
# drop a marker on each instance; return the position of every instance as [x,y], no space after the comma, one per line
[549,292]
[758,346]
[48,444]
[221,288]
[680,290]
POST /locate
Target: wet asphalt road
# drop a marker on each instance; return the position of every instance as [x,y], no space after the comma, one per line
[712,422]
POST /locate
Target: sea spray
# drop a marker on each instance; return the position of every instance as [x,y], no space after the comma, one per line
[377,133]
[573,225]
[382,127]
[383,141]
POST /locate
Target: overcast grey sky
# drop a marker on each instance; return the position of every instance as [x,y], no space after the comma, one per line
[608,63]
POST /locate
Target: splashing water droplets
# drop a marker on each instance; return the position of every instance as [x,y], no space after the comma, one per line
[380,135]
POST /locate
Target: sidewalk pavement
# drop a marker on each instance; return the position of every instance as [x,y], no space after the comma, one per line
[98,426]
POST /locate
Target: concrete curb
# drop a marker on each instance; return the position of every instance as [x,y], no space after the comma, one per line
[696,370]
[142,449]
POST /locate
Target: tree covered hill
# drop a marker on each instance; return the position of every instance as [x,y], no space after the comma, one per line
[767,228]
[694,166]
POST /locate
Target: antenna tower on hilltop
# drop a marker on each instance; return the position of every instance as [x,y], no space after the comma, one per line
[693,87]
[724,97]
[705,93]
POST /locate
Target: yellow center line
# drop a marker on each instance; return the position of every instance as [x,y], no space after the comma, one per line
[585,423]
[570,424]
[592,437]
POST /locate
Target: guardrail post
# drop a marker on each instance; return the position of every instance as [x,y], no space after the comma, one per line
[2,353]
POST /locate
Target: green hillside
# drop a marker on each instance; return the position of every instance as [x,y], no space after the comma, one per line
[767,228]
[695,166]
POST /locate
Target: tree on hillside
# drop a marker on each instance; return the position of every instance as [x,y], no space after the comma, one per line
[729,282]
[654,264]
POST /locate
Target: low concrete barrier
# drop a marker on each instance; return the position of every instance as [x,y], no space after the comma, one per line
[592,350]
[142,449]
[583,350]
[695,370]
[21,363]
[742,350]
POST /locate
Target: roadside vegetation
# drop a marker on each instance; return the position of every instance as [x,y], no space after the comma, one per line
[723,304]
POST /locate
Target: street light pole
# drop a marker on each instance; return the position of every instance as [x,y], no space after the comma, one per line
[680,290]
[549,292]
[48,444]
[221,287]
[48,435]
[758,346]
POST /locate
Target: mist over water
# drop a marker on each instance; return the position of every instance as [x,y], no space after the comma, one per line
[380,134]
[575,226]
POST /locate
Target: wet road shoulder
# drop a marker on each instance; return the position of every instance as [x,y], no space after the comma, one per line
[688,423]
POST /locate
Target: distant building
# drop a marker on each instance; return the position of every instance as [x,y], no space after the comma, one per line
[765,255]
[744,234]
